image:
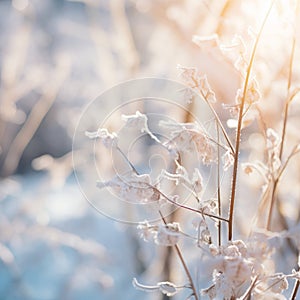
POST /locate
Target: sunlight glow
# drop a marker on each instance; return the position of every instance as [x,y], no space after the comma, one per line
[20,4]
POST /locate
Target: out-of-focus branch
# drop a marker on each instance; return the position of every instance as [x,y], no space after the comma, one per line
[106,66]
[12,68]
[126,47]
[56,236]
[58,168]
[36,116]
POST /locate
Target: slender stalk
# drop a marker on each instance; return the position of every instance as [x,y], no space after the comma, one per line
[275,185]
[219,123]
[247,294]
[239,127]
[286,108]
[225,8]
[283,133]
[219,193]
[127,160]
[216,117]
[270,212]
[188,207]
[177,249]
[168,198]
[295,290]
[179,253]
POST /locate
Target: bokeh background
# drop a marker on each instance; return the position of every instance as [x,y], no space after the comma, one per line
[55,57]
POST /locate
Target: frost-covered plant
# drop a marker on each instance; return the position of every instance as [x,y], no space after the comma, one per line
[244,268]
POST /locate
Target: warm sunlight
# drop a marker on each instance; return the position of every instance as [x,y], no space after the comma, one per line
[149,149]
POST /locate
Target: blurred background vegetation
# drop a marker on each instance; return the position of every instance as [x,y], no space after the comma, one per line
[55,57]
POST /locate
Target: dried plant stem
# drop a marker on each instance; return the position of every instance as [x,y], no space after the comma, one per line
[188,207]
[179,253]
[35,118]
[168,198]
[275,184]
[127,160]
[247,294]
[295,151]
[106,67]
[224,9]
[287,104]
[283,134]
[270,212]
[216,117]
[11,69]
[176,247]
[239,126]
[219,194]
[295,290]
[129,55]
[219,123]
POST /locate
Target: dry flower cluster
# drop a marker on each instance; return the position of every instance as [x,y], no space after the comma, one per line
[247,267]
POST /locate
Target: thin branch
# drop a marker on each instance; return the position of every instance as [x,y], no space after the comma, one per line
[285,118]
[293,153]
[215,116]
[248,292]
[168,198]
[239,126]
[270,212]
[225,8]
[127,160]
[286,109]
[127,48]
[35,118]
[295,290]
[219,123]
[219,194]
[179,253]
[188,207]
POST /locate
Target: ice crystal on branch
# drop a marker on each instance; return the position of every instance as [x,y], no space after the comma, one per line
[139,121]
[232,266]
[167,235]
[198,83]
[109,140]
[252,94]
[278,283]
[165,287]
[189,137]
[146,231]
[181,176]
[273,144]
[251,97]
[197,181]
[271,287]
[204,235]
[228,160]
[133,188]
[236,52]
[164,234]
[206,42]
